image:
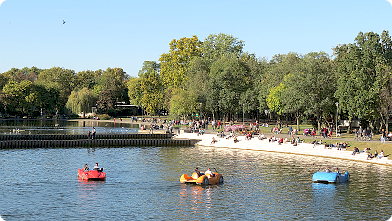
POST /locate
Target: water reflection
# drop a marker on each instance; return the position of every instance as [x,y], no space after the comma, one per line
[197,199]
[89,194]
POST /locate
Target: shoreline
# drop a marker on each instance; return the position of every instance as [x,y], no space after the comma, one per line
[306,149]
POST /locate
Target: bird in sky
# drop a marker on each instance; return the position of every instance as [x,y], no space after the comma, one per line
[63,22]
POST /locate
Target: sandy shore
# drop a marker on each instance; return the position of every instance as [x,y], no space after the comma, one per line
[264,145]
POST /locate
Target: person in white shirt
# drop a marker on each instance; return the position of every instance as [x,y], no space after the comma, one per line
[96,167]
[209,173]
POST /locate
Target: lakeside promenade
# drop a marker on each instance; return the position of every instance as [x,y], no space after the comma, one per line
[264,145]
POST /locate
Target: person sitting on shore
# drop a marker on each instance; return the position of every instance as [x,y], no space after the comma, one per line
[230,136]
[248,136]
[369,156]
[235,139]
[85,168]
[213,140]
[356,150]
[380,155]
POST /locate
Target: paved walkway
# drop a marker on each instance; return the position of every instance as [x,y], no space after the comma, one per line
[265,145]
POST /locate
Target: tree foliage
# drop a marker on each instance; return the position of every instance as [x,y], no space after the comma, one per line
[174,64]
[59,80]
[363,72]
[81,101]
[151,87]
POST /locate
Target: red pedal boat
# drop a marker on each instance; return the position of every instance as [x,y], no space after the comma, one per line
[91,174]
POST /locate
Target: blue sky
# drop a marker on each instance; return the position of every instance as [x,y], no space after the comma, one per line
[125,33]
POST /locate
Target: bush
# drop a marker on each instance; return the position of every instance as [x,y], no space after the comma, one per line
[104,116]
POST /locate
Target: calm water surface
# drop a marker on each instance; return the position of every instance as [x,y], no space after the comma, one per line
[54,126]
[143,183]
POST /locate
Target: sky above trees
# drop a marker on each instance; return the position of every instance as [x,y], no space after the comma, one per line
[101,34]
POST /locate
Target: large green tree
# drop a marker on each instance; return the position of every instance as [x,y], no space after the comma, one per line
[217,45]
[175,63]
[310,87]
[273,74]
[228,80]
[134,91]
[59,80]
[151,86]
[362,69]
[81,101]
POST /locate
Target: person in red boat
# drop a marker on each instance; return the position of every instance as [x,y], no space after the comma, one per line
[85,168]
[96,167]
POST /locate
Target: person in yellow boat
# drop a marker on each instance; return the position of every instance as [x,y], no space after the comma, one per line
[209,173]
[198,172]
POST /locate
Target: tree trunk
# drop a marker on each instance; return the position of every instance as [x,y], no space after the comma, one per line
[297,122]
[318,124]
[387,121]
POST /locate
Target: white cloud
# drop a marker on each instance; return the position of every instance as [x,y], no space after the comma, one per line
[390,1]
[1,1]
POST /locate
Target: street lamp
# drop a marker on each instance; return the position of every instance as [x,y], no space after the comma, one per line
[336,121]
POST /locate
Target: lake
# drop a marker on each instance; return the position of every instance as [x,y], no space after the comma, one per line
[143,183]
[54,126]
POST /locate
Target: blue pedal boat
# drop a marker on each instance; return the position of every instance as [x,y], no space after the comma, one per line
[330,177]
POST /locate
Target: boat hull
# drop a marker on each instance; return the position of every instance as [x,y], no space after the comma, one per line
[91,175]
[202,180]
[330,177]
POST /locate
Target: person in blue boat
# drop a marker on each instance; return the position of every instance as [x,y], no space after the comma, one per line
[85,168]
[327,170]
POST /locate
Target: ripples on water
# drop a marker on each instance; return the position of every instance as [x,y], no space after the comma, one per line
[143,183]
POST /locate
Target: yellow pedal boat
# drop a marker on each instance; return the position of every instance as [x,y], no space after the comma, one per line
[203,179]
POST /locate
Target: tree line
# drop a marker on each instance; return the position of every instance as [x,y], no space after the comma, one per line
[33,91]
[216,78]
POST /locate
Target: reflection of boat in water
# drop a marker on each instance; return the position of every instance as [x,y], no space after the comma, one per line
[91,175]
[203,179]
[330,177]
